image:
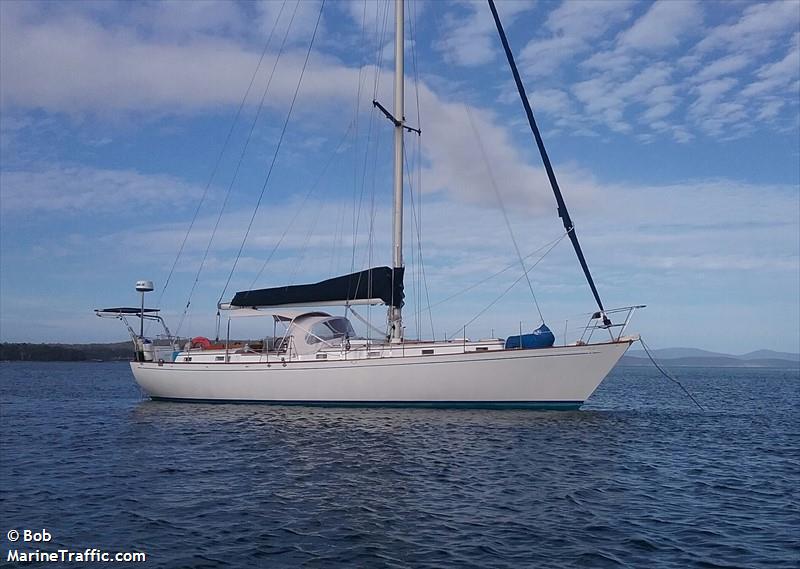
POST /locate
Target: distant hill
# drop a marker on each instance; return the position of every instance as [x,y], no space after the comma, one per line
[770,354]
[704,358]
[122,351]
[712,362]
[670,353]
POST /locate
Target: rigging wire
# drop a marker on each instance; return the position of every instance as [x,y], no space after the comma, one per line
[339,231]
[367,259]
[417,215]
[498,273]
[366,322]
[409,169]
[338,238]
[503,209]
[304,249]
[417,226]
[358,197]
[356,113]
[668,376]
[372,205]
[379,48]
[376,83]
[275,155]
[507,290]
[217,162]
[371,232]
[238,165]
[300,210]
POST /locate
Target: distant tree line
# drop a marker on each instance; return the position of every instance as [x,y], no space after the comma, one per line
[65,352]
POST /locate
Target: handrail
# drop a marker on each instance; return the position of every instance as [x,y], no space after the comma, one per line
[599,321]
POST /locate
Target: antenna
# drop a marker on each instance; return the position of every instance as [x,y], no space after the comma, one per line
[143,287]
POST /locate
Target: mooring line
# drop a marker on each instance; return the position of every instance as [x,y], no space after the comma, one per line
[668,376]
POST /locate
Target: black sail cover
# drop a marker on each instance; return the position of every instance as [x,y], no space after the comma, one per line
[381,283]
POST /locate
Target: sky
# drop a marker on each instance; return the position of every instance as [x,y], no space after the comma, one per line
[217,146]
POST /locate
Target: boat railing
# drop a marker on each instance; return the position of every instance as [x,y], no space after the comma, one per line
[602,320]
[162,339]
[175,342]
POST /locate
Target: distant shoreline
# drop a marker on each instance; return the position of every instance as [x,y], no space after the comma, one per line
[28,352]
[123,352]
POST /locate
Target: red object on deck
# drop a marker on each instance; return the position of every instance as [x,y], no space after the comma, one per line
[201,342]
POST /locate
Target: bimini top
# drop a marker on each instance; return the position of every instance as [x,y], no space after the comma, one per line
[126,310]
[372,286]
[280,315]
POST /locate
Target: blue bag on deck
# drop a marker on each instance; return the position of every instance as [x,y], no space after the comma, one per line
[542,337]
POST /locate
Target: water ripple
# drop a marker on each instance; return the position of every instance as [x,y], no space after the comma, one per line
[639,478]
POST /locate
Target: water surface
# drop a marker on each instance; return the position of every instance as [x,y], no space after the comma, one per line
[638,478]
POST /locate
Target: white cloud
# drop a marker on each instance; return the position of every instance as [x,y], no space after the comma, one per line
[551,101]
[770,110]
[756,31]
[575,27]
[711,113]
[724,112]
[302,14]
[663,25]
[458,166]
[85,190]
[363,14]
[658,110]
[627,82]
[613,61]
[176,60]
[587,19]
[777,76]
[76,65]
[183,19]
[684,222]
[607,99]
[710,92]
[471,39]
[723,66]
[695,233]
[204,72]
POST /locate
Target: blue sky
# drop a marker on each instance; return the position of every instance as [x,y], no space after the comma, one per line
[673,126]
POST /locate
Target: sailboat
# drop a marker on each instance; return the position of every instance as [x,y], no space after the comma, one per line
[317,358]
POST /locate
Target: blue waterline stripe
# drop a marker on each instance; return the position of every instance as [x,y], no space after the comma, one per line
[542,405]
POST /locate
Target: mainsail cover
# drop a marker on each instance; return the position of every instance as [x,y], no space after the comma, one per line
[379,284]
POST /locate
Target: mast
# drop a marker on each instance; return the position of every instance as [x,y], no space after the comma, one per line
[395,312]
[562,207]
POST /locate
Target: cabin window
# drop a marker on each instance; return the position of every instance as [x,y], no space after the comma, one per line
[331,329]
[341,327]
[219,358]
[427,352]
[481,349]
[187,359]
[373,354]
[322,356]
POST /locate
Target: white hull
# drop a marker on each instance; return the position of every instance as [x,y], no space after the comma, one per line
[552,377]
